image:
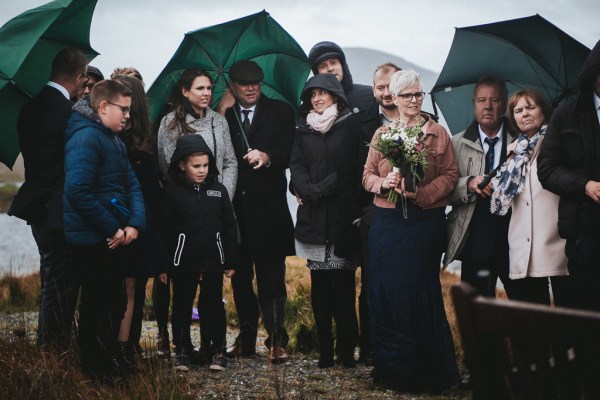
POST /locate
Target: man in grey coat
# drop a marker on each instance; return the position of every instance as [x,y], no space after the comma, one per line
[477,237]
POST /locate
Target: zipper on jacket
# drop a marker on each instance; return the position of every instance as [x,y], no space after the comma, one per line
[220,247]
[179,249]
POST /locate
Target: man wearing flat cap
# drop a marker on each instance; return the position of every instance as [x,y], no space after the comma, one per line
[95,76]
[262,132]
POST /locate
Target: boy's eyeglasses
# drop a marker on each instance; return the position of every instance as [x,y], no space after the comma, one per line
[124,110]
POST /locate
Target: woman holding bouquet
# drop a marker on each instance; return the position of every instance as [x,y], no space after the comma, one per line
[313,166]
[412,343]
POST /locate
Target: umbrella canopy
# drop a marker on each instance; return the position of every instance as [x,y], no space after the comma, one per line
[215,49]
[28,44]
[526,52]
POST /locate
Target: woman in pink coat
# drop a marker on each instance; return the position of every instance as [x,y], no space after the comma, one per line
[537,253]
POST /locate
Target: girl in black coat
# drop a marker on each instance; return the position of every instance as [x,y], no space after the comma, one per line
[313,167]
[203,239]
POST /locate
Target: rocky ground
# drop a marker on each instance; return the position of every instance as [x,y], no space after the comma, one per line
[256,377]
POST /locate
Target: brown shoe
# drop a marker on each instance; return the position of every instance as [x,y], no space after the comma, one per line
[278,355]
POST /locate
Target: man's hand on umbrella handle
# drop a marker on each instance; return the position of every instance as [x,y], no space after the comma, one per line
[592,190]
[472,187]
[257,158]
[226,102]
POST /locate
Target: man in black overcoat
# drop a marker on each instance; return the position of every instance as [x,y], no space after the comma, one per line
[41,127]
[262,132]
[569,165]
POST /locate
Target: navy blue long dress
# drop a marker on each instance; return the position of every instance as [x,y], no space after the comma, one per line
[413,347]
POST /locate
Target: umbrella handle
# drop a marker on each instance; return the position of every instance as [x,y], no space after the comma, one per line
[489,176]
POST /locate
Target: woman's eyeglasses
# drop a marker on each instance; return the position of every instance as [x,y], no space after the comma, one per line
[409,96]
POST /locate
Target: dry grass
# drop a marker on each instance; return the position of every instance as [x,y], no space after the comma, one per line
[19,293]
[29,372]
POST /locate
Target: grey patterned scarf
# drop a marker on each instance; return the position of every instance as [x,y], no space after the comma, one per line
[510,179]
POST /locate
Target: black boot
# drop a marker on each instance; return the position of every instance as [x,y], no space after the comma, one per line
[124,358]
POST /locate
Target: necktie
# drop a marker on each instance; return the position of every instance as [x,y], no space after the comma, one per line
[246,121]
[489,156]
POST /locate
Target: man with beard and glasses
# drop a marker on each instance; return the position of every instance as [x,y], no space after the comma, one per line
[356,209]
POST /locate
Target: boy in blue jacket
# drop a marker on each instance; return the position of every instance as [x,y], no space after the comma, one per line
[103,213]
[203,233]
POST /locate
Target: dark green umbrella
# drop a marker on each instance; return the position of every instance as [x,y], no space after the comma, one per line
[527,52]
[28,44]
[257,37]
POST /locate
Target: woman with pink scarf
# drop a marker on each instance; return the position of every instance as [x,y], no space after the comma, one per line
[313,166]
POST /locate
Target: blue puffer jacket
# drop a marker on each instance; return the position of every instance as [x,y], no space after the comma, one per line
[97,171]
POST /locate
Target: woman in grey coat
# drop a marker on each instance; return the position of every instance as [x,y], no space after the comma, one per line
[191,114]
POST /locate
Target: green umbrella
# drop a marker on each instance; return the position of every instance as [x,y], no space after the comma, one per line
[257,37]
[28,44]
[527,52]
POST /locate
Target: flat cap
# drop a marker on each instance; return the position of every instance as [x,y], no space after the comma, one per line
[95,72]
[246,71]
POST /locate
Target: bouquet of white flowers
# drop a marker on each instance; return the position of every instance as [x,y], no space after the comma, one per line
[404,149]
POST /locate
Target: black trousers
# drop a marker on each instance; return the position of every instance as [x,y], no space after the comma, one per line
[583,254]
[211,311]
[272,295]
[333,296]
[102,304]
[161,298]
[537,290]
[60,283]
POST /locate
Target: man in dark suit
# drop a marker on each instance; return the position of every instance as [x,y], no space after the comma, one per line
[356,209]
[262,132]
[41,126]
[476,236]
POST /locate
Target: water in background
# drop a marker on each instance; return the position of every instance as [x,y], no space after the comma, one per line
[18,251]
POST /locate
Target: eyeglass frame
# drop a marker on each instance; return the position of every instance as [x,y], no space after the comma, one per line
[124,110]
[416,95]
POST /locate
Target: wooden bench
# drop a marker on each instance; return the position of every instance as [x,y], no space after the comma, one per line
[518,350]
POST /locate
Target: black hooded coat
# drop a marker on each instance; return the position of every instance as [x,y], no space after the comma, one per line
[570,156]
[314,168]
[358,97]
[201,226]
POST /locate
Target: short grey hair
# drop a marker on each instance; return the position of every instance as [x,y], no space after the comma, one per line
[403,79]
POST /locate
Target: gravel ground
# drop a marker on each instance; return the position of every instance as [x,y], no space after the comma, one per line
[255,377]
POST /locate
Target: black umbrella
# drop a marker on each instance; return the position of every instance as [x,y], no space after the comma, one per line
[526,52]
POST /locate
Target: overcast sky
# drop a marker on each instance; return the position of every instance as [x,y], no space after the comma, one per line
[145,33]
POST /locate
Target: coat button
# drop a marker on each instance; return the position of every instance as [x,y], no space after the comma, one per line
[527,239]
[243,192]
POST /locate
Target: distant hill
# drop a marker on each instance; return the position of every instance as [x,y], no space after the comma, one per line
[363,61]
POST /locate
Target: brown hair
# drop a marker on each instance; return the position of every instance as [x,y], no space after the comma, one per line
[128,71]
[385,68]
[67,63]
[535,97]
[107,90]
[180,104]
[137,137]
